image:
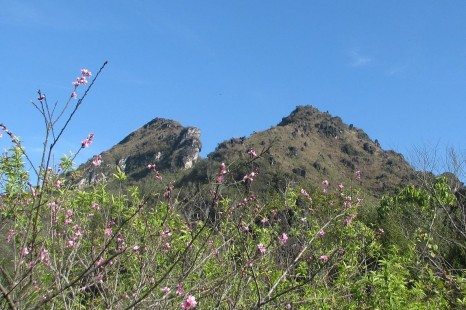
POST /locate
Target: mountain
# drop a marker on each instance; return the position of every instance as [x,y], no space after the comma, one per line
[163,142]
[306,146]
[310,146]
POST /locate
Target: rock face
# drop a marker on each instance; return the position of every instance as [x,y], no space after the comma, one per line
[163,142]
[187,148]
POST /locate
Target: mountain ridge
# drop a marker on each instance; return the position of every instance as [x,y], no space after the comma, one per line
[306,145]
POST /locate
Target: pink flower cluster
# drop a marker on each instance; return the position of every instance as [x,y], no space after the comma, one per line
[305,194]
[189,302]
[221,172]
[108,231]
[245,201]
[283,238]
[80,80]
[97,161]
[250,176]
[11,233]
[324,258]
[168,191]
[44,257]
[252,153]
[152,167]
[347,203]
[261,248]
[86,142]
[325,184]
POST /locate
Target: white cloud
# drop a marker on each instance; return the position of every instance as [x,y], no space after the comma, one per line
[357,59]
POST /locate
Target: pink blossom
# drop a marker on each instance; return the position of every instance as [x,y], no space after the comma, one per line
[357,174]
[305,194]
[167,245]
[321,233]
[74,95]
[108,231]
[283,238]
[136,248]
[11,233]
[326,184]
[261,248]
[165,289]
[41,97]
[179,289]
[86,72]
[25,251]
[97,161]
[249,176]
[189,302]
[95,206]
[347,203]
[341,187]
[100,262]
[44,257]
[165,234]
[244,228]
[349,219]
[77,230]
[58,184]
[168,191]
[252,153]
[86,142]
[81,80]
[324,258]
[69,213]
[75,83]
[151,166]
[221,172]
[157,173]
[70,244]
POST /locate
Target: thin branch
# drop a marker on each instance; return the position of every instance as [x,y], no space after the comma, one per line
[7,297]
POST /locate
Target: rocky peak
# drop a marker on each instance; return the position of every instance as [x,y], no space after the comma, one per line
[164,142]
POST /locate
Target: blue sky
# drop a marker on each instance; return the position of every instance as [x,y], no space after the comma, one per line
[396,69]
